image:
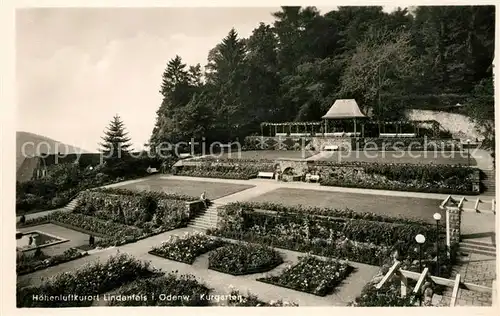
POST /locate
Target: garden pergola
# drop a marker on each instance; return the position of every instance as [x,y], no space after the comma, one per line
[344,109]
[289,126]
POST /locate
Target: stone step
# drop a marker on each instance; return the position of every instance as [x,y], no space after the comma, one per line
[488,248]
[199,227]
[481,252]
[477,243]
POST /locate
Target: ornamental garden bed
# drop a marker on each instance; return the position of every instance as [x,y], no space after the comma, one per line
[445,179]
[167,290]
[252,300]
[242,259]
[87,281]
[358,240]
[185,249]
[227,169]
[312,275]
[29,263]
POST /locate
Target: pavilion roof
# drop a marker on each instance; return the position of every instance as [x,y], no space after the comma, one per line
[343,109]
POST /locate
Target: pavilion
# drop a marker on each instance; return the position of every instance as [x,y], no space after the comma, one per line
[341,110]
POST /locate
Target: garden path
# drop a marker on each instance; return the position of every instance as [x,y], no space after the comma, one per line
[346,292]
[271,184]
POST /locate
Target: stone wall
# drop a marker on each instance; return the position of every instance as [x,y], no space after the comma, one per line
[459,125]
[300,167]
[453,221]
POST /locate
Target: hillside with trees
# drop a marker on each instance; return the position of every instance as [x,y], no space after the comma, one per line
[294,69]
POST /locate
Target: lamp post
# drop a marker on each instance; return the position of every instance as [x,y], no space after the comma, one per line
[468,152]
[437,217]
[420,240]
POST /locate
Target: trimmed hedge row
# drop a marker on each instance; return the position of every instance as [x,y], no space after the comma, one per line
[417,144]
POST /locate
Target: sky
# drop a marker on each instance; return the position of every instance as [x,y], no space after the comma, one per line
[78,67]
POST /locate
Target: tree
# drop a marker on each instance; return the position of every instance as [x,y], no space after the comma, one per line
[115,143]
[481,109]
[382,63]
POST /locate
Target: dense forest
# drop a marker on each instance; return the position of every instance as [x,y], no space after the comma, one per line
[294,69]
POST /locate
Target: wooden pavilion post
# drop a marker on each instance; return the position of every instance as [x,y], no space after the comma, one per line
[262,130]
[354,126]
[363,129]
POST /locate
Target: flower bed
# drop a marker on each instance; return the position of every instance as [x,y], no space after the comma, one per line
[354,239]
[185,249]
[156,292]
[312,275]
[133,209]
[241,259]
[227,169]
[446,179]
[249,300]
[387,296]
[87,281]
[30,263]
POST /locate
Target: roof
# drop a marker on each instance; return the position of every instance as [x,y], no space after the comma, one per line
[344,108]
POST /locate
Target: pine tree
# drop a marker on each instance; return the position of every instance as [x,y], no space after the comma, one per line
[116,143]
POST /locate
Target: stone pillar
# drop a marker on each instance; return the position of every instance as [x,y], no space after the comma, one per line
[453,221]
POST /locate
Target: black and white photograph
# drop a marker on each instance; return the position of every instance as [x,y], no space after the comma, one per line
[279,156]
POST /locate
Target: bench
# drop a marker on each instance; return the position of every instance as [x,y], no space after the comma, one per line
[280,134]
[338,134]
[312,177]
[269,175]
[184,156]
[388,135]
[407,135]
[151,170]
[331,148]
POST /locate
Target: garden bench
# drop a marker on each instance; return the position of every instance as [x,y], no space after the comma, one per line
[184,156]
[312,177]
[151,170]
[388,135]
[331,148]
[338,134]
[265,175]
[407,135]
[280,134]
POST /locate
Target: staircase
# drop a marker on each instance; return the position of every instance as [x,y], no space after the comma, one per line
[206,219]
[479,247]
[489,182]
[71,205]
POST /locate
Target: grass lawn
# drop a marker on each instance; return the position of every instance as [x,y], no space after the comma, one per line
[268,154]
[388,205]
[414,157]
[213,190]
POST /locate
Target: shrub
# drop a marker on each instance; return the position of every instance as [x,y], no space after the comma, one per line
[240,258]
[185,290]
[312,275]
[87,281]
[29,263]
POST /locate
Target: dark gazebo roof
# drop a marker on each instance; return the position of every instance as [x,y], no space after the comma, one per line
[344,109]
